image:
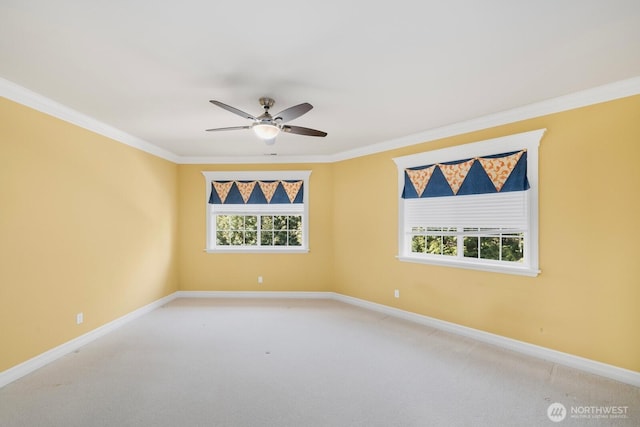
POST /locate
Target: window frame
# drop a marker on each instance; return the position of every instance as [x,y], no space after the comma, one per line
[526,140]
[256,209]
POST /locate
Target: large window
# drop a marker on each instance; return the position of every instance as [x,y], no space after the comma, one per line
[257,211]
[472,206]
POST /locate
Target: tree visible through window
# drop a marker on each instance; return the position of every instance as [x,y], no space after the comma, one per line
[258,230]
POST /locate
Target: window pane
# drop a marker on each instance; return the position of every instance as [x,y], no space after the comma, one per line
[434,245]
[449,245]
[266,222]
[236,238]
[295,238]
[251,222]
[251,238]
[280,238]
[266,238]
[222,222]
[418,244]
[295,222]
[223,238]
[280,222]
[470,246]
[236,222]
[490,247]
[512,248]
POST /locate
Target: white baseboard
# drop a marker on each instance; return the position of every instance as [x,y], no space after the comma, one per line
[25,368]
[602,369]
[254,294]
[598,368]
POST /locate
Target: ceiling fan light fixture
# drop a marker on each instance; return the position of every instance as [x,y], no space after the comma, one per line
[266,132]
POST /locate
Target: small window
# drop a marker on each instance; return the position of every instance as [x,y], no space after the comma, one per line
[472,206]
[257,211]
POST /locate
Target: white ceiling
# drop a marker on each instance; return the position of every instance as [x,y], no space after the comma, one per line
[374,71]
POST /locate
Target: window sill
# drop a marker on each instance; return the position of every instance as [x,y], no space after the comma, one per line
[494,268]
[262,250]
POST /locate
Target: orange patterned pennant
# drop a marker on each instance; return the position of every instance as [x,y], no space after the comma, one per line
[292,188]
[455,174]
[222,188]
[268,189]
[420,178]
[245,188]
[499,169]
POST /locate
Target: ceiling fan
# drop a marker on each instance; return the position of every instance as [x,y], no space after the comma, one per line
[267,126]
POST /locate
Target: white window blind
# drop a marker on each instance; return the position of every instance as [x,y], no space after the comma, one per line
[499,210]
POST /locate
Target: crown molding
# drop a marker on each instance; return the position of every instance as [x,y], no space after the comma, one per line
[266,159]
[604,93]
[608,92]
[48,106]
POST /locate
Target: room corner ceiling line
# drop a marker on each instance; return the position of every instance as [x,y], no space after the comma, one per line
[240,160]
[604,93]
[48,106]
[596,95]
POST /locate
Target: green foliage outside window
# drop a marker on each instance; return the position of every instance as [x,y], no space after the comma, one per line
[492,246]
[505,247]
[259,230]
[433,241]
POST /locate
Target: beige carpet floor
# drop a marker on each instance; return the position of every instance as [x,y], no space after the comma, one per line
[289,362]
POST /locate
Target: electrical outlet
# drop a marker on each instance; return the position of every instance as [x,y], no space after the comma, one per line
[79,318]
[396,293]
[259,279]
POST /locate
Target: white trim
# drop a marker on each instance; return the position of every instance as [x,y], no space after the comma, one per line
[255,294]
[597,368]
[37,362]
[243,160]
[48,106]
[258,250]
[468,265]
[604,93]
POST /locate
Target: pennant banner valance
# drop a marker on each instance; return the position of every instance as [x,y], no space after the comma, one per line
[498,173]
[256,192]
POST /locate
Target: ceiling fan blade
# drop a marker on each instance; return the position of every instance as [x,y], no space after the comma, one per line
[230,128]
[233,110]
[299,130]
[293,112]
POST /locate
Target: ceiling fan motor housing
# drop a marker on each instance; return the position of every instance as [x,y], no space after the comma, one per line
[266,102]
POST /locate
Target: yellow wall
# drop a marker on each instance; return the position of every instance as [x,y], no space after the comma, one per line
[586,302]
[87,225]
[239,272]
